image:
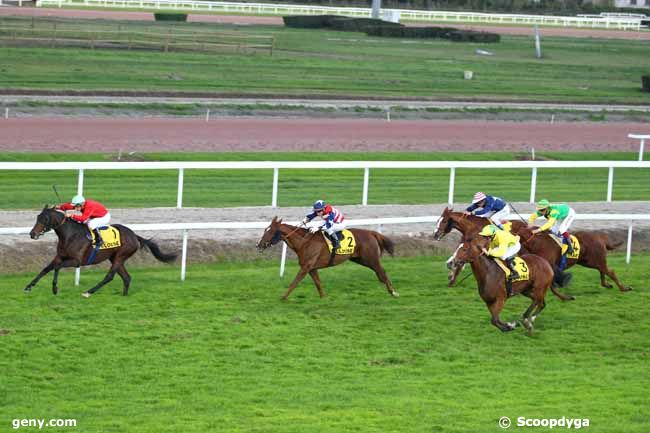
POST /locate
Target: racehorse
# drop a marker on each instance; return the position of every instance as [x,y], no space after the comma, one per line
[593,252]
[74,249]
[467,225]
[491,281]
[313,252]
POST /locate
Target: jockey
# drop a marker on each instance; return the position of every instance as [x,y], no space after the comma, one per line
[559,218]
[93,214]
[493,208]
[505,246]
[333,221]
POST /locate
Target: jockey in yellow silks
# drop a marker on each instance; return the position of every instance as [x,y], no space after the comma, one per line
[503,245]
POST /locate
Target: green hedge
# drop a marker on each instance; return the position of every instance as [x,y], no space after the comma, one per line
[168,16]
[645,83]
[336,22]
[450,33]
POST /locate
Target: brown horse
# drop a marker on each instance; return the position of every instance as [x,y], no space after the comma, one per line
[593,251]
[491,281]
[74,249]
[313,253]
[467,225]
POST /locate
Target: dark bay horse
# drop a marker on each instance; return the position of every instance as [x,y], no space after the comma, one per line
[467,225]
[313,253]
[593,251]
[74,249]
[491,281]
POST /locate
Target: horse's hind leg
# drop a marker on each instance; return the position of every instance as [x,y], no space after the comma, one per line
[314,276]
[603,281]
[381,274]
[126,278]
[611,274]
[107,279]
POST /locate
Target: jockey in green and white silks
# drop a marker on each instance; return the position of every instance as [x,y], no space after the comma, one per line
[559,219]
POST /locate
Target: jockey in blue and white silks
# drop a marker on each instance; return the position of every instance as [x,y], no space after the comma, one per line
[493,208]
[333,221]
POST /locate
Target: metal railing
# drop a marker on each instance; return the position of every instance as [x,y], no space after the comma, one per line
[366,166]
[604,22]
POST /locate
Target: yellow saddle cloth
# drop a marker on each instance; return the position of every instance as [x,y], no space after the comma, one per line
[520,265]
[564,247]
[348,243]
[111,237]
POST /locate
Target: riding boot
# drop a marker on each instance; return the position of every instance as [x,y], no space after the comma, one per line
[335,241]
[98,238]
[511,265]
[566,239]
[562,265]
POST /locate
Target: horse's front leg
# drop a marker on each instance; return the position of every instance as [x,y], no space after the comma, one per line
[57,268]
[107,279]
[301,274]
[44,271]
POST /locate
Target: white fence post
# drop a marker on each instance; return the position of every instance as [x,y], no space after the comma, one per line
[628,253]
[179,195]
[184,256]
[533,185]
[80,182]
[641,149]
[274,198]
[366,178]
[452,180]
[283,260]
[77,276]
[610,184]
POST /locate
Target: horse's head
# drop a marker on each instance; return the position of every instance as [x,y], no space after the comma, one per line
[468,251]
[48,219]
[444,225]
[271,236]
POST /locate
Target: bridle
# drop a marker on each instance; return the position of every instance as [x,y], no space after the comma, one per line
[48,226]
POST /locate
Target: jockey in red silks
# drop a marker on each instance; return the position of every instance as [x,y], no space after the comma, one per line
[93,214]
[333,221]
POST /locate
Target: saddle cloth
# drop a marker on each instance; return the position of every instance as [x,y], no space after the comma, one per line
[520,265]
[564,247]
[110,235]
[348,243]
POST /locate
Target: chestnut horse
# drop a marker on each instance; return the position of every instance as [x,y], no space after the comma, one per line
[467,225]
[313,253]
[593,252]
[492,282]
[74,249]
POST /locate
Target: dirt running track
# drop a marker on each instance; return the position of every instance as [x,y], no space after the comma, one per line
[343,135]
[265,20]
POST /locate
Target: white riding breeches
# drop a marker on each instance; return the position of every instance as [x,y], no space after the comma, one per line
[94,223]
[511,252]
[336,227]
[562,226]
[497,217]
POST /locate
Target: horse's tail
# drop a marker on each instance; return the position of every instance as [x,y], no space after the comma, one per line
[385,244]
[155,250]
[612,245]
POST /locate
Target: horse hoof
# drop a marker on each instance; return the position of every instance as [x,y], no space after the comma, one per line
[627,289]
[86,294]
[394,294]
[27,289]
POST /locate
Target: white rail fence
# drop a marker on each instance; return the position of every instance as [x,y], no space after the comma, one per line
[629,219]
[366,166]
[605,22]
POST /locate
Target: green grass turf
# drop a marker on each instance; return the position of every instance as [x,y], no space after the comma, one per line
[228,188]
[222,353]
[334,63]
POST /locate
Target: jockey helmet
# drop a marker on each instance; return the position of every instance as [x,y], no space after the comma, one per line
[490,230]
[319,205]
[479,196]
[78,200]
[543,204]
